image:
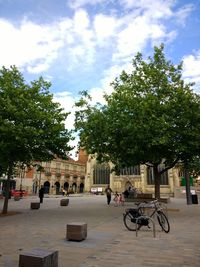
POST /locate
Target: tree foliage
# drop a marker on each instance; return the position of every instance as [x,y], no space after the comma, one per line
[32,125]
[152,117]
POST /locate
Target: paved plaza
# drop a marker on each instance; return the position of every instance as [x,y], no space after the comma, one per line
[108,242]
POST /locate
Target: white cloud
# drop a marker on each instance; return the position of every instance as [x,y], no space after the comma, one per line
[35,47]
[158,8]
[183,13]
[77,40]
[147,23]
[27,45]
[84,46]
[135,34]
[81,21]
[40,67]
[191,68]
[66,101]
[104,26]
[79,3]
[132,38]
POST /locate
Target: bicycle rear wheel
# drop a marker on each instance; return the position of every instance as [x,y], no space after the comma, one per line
[163,221]
[129,223]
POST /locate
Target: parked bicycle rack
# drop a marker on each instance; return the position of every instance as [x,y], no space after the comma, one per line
[145,217]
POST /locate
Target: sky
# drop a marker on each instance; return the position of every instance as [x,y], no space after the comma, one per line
[85,44]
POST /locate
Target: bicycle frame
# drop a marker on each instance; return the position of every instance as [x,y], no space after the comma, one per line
[139,217]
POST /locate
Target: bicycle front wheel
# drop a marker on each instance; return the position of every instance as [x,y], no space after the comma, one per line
[163,221]
[128,222]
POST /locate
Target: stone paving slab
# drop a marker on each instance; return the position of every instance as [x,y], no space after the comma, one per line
[108,242]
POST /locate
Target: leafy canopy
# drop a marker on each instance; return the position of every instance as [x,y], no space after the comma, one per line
[31,123]
[152,117]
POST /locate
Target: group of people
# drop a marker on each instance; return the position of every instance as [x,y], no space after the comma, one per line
[41,193]
[118,198]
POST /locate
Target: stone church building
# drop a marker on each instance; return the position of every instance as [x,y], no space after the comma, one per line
[86,175]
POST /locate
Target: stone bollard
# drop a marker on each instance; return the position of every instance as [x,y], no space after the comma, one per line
[16,198]
[76,231]
[64,202]
[38,258]
[35,205]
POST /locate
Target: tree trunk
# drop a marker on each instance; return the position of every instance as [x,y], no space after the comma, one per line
[7,191]
[187,186]
[157,176]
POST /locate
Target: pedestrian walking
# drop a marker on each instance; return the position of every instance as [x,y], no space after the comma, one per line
[67,192]
[41,194]
[108,192]
[63,191]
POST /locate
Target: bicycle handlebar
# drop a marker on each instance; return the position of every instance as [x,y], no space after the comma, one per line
[147,204]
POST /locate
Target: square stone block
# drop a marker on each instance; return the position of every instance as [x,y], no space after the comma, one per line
[64,202]
[35,205]
[38,258]
[16,198]
[76,231]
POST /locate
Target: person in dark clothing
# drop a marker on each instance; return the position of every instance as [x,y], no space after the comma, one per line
[41,194]
[108,192]
[126,193]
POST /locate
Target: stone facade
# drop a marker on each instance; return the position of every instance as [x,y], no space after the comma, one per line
[55,176]
[81,176]
[137,180]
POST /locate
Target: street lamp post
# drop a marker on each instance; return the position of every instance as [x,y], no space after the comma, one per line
[22,174]
[39,169]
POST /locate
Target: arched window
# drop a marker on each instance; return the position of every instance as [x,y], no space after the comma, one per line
[101,174]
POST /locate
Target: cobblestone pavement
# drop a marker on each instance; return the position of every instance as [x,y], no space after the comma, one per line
[108,242]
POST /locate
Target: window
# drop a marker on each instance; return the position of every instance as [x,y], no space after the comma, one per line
[101,174]
[66,168]
[75,168]
[48,164]
[150,176]
[164,178]
[58,164]
[130,170]
[48,169]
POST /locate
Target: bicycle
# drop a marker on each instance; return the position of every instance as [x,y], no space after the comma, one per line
[135,218]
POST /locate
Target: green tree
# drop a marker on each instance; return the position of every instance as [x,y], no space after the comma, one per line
[152,117]
[32,125]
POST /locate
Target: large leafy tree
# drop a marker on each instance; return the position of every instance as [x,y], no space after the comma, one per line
[32,125]
[152,117]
